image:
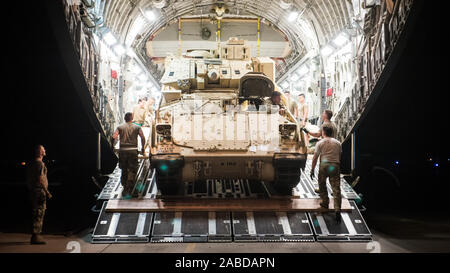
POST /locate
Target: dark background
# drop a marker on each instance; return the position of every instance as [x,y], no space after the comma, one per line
[41,105]
[408,123]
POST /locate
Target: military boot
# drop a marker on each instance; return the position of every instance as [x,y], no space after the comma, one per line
[324,205]
[36,239]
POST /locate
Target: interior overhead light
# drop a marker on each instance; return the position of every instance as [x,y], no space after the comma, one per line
[119,49]
[135,29]
[292,16]
[136,69]
[299,84]
[302,70]
[341,39]
[154,90]
[306,28]
[326,50]
[130,52]
[142,77]
[109,38]
[150,15]
[114,66]
[285,84]
[294,77]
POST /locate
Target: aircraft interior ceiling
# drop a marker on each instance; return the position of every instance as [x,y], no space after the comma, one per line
[333,51]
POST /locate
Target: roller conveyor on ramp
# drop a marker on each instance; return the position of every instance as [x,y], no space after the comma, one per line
[266,224]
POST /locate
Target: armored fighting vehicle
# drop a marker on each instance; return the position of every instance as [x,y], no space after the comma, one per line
[216,120]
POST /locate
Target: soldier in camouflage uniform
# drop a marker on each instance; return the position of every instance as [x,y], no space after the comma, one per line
[128,152]
[329,150]
[38,187]
[140,113]
[275,99]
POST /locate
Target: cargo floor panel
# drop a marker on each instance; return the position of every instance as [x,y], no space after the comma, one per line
[126,227]
[352,226]
[195,226]
[112,188]
[271,226]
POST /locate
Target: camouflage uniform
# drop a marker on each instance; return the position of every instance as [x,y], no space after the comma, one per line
[39,205]
[292,106]
[331,171]
[128,155]
[128,163]
[38,195]
[329,150]
[139,115]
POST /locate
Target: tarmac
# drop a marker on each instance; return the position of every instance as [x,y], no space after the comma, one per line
[80,243]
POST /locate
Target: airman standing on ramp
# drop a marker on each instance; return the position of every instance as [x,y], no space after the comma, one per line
[329,149]
[128,152]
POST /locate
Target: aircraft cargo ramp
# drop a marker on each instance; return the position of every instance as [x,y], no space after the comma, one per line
[224,210]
